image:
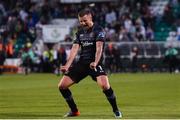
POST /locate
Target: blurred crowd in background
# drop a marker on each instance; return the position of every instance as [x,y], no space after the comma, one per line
[123,21]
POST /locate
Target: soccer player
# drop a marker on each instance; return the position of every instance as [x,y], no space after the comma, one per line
[90,37]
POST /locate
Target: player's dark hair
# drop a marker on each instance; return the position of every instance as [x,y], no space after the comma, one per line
[85,11]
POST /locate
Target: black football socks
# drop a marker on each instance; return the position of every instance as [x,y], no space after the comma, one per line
[111,98]
[66,93]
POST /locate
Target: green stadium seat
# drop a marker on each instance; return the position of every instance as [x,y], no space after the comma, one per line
[162,31]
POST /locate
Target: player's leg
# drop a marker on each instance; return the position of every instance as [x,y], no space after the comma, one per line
[75,74]
[63,86]
[103,82]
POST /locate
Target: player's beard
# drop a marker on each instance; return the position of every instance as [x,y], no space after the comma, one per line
[86,27]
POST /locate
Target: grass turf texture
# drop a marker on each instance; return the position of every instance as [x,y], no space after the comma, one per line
[142,95]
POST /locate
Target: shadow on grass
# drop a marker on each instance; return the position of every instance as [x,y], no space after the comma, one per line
[50,116]
[28,115]
[84,116]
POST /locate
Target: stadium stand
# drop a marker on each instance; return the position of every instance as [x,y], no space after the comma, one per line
[146,24]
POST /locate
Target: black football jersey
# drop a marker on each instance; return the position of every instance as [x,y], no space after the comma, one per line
[87,40]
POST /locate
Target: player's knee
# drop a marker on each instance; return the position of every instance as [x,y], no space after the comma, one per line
[105,86]
[61,86]
[65,83]
[103,82]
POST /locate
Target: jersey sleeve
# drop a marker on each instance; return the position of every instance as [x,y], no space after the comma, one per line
[76,40]
[100,35]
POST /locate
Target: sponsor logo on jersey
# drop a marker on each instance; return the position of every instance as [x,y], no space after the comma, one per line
[87,43]
[81,35]
[101,34]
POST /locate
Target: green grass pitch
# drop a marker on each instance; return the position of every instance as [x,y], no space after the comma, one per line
[141,96]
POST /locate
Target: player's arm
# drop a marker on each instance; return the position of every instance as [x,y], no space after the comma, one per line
[72,55]
[99,49]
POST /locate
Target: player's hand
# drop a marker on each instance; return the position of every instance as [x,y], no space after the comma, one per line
[93,65]
[64,69]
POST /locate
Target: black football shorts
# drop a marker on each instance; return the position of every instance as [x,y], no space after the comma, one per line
[79,70]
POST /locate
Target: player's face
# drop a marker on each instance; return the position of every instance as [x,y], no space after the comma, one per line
[86,21]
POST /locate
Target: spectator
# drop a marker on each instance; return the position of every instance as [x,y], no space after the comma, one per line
[110,16]
[26,60]
[112,58]
[48,61]
[37,61]
[171,58]
[2,56]
[168,16]
[9,49]
[149,34]
[172,39]
[140,30]
[134,59]
[178,33]
[128,23]
[123,35]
